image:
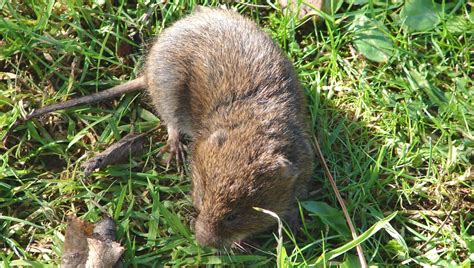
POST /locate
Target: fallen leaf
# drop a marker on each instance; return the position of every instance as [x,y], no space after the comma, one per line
[309,7]
[75,250]
[420,15]
[86,245]
[372,39]
[116,153]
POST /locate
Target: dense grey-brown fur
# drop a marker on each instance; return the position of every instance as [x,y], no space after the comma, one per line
[218,78]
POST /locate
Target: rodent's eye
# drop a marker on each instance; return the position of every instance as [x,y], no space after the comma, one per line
[231,217]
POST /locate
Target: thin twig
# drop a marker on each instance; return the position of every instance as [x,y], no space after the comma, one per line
[360,252]
[439,229]
[421,213]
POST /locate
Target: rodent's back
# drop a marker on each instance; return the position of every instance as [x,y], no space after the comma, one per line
[220,57]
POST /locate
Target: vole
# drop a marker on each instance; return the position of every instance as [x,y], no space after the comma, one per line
[219,79]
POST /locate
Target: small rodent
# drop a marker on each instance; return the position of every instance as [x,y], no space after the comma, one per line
[219,79]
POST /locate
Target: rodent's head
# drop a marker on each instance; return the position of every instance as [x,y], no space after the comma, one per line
[232,174]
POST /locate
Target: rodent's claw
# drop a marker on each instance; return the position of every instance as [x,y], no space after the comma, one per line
[182,151]
[176,151]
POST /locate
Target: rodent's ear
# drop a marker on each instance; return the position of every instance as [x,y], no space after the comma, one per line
[285,168]
[218,137]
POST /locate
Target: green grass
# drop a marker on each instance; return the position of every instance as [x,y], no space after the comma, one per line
[391,95]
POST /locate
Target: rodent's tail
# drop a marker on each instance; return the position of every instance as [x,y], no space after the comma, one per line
[135,84]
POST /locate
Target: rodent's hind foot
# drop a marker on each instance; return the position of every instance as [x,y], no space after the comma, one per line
[293,220]
[175,148]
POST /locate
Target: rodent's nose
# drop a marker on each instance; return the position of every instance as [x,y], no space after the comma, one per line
[206,237]
[208,241]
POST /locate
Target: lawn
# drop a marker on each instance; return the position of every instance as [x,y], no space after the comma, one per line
[390,89]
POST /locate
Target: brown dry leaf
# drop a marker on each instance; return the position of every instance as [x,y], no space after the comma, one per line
[117,152]
[89,246]
[305,10]
[75,250]
[105,229]
[103,253]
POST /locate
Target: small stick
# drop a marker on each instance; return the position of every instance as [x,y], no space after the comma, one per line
[132,143]
[439,229]
[360,252]
[419,213]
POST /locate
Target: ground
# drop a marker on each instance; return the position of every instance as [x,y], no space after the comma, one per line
[391,96]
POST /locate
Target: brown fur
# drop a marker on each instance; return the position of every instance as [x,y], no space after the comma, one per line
[216,77]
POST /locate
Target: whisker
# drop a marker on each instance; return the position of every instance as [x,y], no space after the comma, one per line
[254,247]
[237,245]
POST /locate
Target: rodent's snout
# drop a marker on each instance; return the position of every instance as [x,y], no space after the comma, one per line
[206,235]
